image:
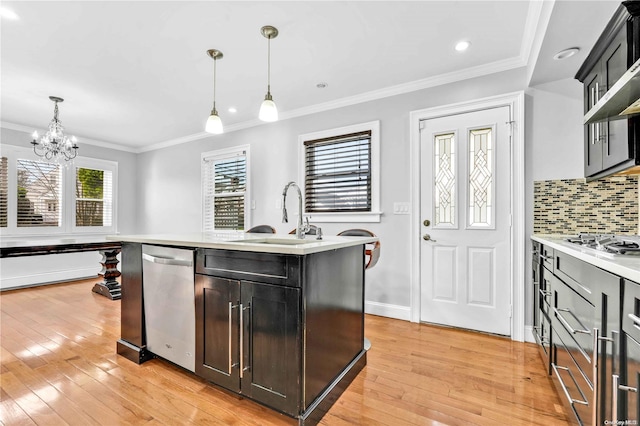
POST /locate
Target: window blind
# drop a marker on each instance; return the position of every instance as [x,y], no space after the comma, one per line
[39,193]
[224,186]
[94,197]
[338,174]
[4,191]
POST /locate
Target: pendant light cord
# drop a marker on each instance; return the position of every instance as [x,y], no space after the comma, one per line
[269,65]
[214,83]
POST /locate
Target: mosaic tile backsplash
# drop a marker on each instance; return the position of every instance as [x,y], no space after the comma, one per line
[607,205]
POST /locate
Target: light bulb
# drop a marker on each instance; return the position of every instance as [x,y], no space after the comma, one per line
[214,124]
[35,135]
[268,110]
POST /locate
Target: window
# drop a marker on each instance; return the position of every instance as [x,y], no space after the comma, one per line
[341,174]
[93,197]
[39,193]
[42,198]
[225,189]
[4,192]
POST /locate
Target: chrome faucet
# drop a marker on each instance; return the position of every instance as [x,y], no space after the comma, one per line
[301,229]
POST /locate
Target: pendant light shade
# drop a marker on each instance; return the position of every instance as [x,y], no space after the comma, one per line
[214,123]
[268,109]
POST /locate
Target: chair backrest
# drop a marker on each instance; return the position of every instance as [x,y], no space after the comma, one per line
[313,230]
[372,250]
[262,229]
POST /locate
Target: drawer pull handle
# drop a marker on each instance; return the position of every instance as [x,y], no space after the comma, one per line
[566,324]
[545,293]
[564,387]
[635,319]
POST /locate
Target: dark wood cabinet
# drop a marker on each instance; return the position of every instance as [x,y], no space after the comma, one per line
[249,339]
[284,330]
[611,144]
[582,345]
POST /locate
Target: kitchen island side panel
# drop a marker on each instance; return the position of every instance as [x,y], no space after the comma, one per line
[333,315]
[132,336]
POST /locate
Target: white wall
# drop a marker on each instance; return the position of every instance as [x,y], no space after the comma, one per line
[169,179]
[554,148]
[26,271]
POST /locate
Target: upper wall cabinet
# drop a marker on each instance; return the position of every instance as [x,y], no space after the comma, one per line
[612,141]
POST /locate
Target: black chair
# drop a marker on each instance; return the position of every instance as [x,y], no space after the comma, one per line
[262,229]
[372,250]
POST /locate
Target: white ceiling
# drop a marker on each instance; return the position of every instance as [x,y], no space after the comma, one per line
[136,73]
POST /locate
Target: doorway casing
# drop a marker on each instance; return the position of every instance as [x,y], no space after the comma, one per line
[515,101]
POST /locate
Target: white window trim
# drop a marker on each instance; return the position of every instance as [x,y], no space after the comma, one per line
[93,163]
[375,213]
[222,154]
[67,206]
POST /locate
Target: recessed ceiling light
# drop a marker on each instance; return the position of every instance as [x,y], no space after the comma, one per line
[232,109]
[9,14]
[566,53]
[463,45]
[322,85]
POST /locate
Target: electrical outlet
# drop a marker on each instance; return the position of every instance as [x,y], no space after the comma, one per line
[401,208]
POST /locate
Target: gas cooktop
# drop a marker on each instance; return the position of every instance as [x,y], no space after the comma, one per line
[608,243]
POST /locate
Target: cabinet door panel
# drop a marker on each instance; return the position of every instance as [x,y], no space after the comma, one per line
[615,142]
[593,86]
[271,342]
[217,314]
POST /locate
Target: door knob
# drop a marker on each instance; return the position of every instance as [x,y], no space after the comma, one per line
[427,237]
[426,222]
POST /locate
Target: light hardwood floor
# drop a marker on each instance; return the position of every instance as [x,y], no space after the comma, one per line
[59,366]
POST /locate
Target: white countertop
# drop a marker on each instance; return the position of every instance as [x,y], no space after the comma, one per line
[265,243]
[624,266]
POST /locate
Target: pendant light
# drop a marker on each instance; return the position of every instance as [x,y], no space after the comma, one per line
[268,109]
[214,124]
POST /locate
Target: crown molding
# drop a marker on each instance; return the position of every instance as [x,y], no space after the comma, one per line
[82,140]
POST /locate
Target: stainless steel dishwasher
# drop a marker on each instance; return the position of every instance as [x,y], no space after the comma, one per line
[169,303]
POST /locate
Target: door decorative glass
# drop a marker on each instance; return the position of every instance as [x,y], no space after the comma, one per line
[444,177]
[481,177]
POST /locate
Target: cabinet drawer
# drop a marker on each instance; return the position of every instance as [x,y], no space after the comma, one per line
[265,267]
[631,309]
[547,255]
[573,385]
[583,278]
[574,319]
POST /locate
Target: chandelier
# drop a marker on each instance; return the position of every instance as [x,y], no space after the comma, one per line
[54,145]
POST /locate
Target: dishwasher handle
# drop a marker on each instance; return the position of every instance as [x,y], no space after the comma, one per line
[166,260]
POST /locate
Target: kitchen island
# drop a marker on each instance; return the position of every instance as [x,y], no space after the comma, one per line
[276,319]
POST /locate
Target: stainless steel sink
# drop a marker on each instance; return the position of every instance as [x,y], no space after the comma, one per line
[280,241]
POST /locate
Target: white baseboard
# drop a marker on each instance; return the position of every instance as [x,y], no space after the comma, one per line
[48,278]
[36,270]
[388,310]
[528,334]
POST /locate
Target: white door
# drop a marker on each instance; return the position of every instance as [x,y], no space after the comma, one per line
[466,214]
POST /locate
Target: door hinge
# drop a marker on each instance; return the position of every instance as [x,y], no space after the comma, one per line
[510,127]
[422,124]
[510,311]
